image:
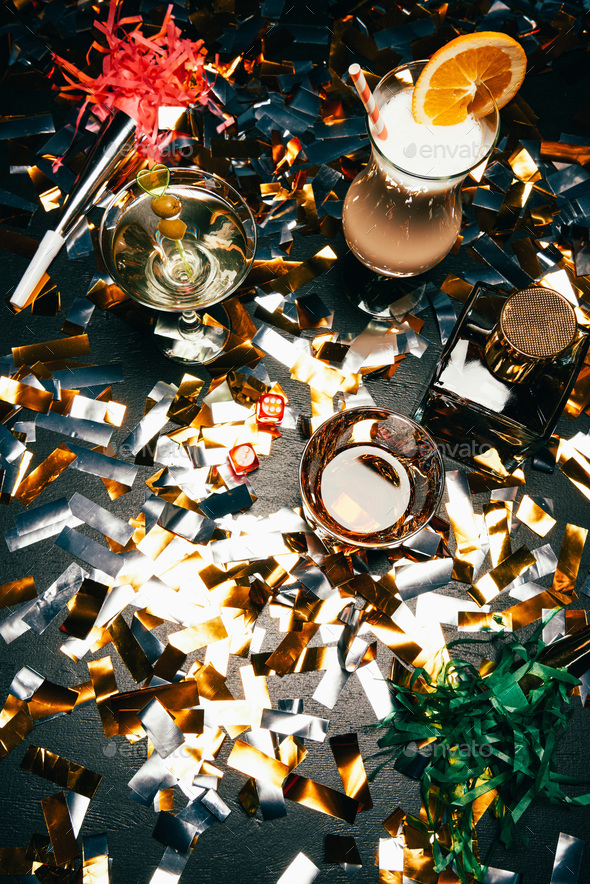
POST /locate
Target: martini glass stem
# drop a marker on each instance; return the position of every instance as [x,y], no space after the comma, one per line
[189,323]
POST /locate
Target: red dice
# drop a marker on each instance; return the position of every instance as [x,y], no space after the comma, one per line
[270,409]
[243,458]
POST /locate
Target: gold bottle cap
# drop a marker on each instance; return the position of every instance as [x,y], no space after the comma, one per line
[535,326]
[538,322]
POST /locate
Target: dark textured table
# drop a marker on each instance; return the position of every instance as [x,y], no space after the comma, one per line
[246,849]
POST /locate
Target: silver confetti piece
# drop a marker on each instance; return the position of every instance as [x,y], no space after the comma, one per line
[160,728]
[90,551]
[568,859]
[46,608]
[305,726]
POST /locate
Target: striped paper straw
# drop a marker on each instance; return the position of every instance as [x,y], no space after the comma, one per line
[367,99]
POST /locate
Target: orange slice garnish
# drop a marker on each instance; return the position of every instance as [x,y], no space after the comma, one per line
[461,76]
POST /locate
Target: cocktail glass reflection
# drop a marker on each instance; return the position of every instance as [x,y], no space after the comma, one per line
[182,277]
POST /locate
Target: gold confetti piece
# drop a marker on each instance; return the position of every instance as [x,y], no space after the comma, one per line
[380,594]
[577,469]
[51,699]
[491,461]
[394,821]
[85,693]
[568,563]
[298,276]
[83,609]
[468,555]
[217,654]
[474,621]
[255,688]
[25,396]
[131,652]
[59,826]
[496,580]
[60,771]
[322,798]
[235,715]
[190,721]
[105,687]
[534,517]
[386,877]
[523,165]
[456,287]
[63,348]
[312,660]
[481,804]
[155,542]
[47,192]
[169,661]
[532,609]
[579,398]
[290,648]
[351,769]
[17,591]
[175,697]
[240,320]
[419,865]
[12,707]
[254,763]
[575,621]
[478,482]
[164,801]
[394,637]
[497,516]
[248,797]
[95,865]
[183,408]
[291,752]
[14,731]
[321,377]
[194,637]
[115,413]
[47,471]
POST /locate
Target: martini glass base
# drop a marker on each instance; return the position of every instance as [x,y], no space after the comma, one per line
[189,344]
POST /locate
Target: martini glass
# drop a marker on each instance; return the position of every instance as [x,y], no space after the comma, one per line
[182,277]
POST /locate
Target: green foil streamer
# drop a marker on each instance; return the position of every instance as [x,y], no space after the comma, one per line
[494,731]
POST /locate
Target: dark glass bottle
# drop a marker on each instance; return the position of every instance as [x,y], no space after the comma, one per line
[504,377]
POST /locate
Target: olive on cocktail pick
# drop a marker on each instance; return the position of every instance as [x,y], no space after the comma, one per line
[173,228]
[166,206]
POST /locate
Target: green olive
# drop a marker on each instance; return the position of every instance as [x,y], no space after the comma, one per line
[172,229]
[166,206]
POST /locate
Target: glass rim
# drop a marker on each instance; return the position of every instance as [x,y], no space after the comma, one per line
[193,170]
[456,175]
[342,538]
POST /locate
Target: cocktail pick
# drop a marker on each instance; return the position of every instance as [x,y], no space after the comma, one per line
[100,164]
[366,96]
[155,182]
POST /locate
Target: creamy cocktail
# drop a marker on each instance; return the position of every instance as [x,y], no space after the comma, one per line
[402,213]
